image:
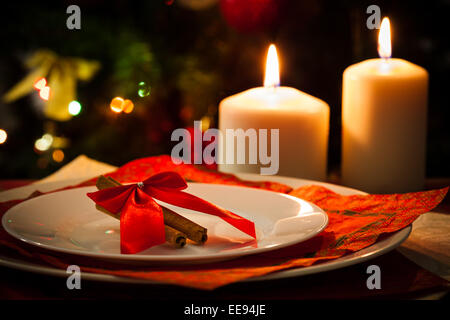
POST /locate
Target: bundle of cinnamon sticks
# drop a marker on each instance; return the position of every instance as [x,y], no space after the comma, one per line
[177,227]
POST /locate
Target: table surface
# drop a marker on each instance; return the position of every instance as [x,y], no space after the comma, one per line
[400,279]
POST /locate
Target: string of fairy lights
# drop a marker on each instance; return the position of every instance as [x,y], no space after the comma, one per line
[49,141]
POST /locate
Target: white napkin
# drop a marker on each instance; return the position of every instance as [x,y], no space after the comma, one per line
[78,170]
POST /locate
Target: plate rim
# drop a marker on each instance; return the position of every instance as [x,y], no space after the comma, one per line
[163,259]
[347,260]
[282,274]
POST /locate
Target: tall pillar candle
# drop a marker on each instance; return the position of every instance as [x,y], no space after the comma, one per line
[384,115]
[302,121]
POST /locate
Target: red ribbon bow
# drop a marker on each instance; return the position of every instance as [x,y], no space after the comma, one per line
[141,218]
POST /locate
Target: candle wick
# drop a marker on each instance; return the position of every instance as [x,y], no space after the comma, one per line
[385,65]
[273,87]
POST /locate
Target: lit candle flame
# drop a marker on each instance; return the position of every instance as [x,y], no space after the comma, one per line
[272,77]
[384,39]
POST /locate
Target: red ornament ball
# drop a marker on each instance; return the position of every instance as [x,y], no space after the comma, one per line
[252,15]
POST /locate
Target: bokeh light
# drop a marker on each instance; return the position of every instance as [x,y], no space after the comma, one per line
[206,122]
[143,89]
[40,84]
[60,142]
[48,138]
[41,145]
[58,155]
[74,108]
[44,143]
[45,93]
[128,106]
[3,136]
[116,104]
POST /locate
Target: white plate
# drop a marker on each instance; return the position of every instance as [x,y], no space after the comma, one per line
[379,248]
[68,222]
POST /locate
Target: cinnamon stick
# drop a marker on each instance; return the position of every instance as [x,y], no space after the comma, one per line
[190,229]
[175,237]
[193,231]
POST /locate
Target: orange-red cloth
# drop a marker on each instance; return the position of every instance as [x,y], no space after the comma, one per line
[355,222]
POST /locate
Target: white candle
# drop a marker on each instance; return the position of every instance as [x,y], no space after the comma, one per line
[302,120]
[384,115]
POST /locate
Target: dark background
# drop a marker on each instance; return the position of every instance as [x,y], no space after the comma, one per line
[193,57]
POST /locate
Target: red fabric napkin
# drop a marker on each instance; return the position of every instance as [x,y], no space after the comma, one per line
[355,222]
